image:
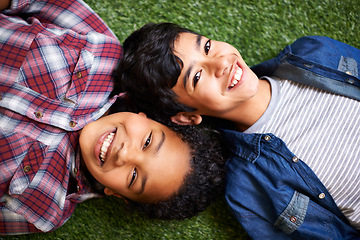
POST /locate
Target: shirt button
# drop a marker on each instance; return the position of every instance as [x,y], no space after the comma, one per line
[38,114]
[322,195]
[308,65]
[267,137]
[293,219]
[27,168]
[75,170]
[351,81]
[78,75]
[72,124]
[78,188]
[295,159]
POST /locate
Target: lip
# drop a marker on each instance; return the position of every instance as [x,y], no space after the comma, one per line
[231,76]
[100,142]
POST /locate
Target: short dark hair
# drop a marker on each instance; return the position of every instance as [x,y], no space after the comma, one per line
[202,185]
[149,70]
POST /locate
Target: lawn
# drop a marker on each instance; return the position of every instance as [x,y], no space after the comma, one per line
[259,29]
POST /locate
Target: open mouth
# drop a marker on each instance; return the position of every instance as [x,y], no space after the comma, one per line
[236,78]
[105,147]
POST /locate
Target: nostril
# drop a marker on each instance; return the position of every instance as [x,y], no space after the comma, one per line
[223,71]
[226,70]
[121,150]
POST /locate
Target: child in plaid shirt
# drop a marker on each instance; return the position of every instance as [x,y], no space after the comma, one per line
[57,140]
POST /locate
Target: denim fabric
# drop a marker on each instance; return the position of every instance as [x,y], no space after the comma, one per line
[272,193]
[266,184]
[317,61]
[294,214]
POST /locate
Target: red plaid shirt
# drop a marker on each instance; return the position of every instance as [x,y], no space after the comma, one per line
[56,62]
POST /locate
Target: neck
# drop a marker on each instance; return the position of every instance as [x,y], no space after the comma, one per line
[250,111]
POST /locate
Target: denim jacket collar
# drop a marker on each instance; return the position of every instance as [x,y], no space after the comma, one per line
[245,146]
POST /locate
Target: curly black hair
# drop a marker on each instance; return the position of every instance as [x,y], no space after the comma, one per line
[149,70]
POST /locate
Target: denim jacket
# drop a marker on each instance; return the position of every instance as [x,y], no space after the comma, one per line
[273,194]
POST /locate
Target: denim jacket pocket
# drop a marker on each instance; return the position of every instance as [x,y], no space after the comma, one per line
[294,214]
[305,219]
[349,66]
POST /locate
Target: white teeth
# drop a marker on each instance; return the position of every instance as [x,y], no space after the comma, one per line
[237,77]
[105,146]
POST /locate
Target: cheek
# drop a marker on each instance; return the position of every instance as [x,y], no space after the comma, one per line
[210,94]
[208,106]
[89,133]
[252,84]
[112,179]
[85,145]
[213,102]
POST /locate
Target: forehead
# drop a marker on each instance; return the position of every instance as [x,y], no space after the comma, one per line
[186,48]
[187,42]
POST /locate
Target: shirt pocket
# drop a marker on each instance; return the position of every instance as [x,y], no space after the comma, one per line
[349,66]
[28,168]
[56,67]
[305,219]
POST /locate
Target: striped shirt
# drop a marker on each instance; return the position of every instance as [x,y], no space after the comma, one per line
[322,129]
[56,64]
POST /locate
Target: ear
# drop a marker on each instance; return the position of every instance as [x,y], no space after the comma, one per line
[187,118]
[109,192]
[142,114]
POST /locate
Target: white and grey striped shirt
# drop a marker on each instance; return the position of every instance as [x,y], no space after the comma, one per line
[323,130]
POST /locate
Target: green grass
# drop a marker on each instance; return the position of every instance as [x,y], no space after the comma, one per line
[259,29]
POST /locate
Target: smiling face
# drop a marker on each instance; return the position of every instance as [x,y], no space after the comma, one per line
[214,78]
[135,157]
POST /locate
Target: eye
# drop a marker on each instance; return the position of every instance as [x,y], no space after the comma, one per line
[133,177]
[207,46]
[147,142]
[196,78]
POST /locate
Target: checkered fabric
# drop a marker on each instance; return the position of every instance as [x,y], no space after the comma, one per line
[56,64]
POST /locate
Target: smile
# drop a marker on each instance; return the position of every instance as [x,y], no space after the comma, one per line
[236,78]
[105,146]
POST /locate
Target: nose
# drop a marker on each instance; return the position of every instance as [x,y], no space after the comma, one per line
[218,65]
[127,154]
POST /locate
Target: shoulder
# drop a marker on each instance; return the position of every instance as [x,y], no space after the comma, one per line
[315,47]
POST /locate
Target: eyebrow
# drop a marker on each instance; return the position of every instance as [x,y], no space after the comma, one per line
[197,47]
[158,147]
[163,137]
[143,183]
